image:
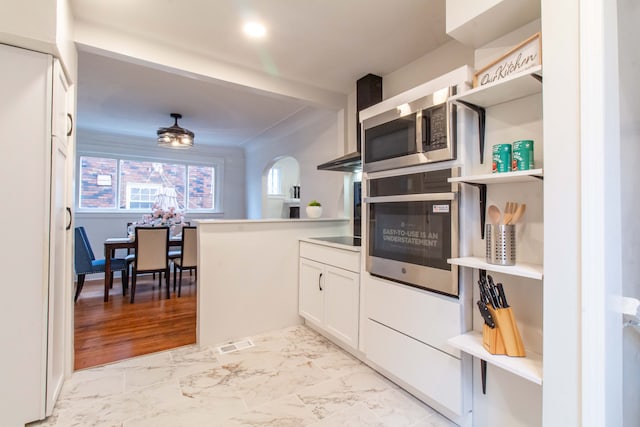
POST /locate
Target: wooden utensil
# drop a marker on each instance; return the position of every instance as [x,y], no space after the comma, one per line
[518,214]
[494,214]
[509,210]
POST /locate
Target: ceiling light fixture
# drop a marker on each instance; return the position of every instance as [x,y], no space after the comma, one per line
[255,30]
[175,136]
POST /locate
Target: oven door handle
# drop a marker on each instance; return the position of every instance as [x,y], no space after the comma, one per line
[411,198]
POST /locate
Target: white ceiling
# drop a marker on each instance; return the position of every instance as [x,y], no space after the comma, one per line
[326,44]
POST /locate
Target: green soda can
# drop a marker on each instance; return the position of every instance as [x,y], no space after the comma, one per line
[501,158]
[522,155]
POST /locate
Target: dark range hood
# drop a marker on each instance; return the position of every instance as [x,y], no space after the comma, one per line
[368,92]
[351,162]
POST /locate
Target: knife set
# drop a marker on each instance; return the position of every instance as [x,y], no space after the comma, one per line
[500,333]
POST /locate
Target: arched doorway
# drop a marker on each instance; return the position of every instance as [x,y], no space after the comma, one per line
[281,188]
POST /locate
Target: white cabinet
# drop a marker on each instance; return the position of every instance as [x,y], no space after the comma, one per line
[329,290]
[35,177]
[406,337]
[341,295]
[481,21]
[311,297]
[59,235]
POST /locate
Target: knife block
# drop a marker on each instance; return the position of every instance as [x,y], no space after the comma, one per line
[492,340]
[505,337]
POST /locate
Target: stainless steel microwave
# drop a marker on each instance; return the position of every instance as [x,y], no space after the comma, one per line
[422,131]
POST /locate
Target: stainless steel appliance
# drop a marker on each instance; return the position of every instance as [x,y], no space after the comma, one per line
[413,229]
[422,131]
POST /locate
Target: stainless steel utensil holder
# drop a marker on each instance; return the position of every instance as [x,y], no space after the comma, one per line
[501,244]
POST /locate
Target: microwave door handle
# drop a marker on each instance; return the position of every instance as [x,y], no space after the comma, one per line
[426,131]
[411,198]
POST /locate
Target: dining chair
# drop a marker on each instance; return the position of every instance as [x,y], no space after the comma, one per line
[177,253]
[151,255]
[130,250]
[86,263]
[188,259]
[129,224]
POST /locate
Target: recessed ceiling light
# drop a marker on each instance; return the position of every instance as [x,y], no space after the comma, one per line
[255,29]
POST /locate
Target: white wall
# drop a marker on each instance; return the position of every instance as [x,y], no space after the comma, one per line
[629,63]
[29,24]
[311,137]
[560,58]
[65,45]
[434,64]
[44,26]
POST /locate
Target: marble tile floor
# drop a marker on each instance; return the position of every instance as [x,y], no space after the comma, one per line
[291,377]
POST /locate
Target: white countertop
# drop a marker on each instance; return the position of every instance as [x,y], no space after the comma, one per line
[331,244]
[267,220]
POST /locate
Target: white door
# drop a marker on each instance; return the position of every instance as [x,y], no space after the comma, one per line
[60,226]
[311,297]
[341,304]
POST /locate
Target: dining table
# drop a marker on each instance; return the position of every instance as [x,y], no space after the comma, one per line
[110,246]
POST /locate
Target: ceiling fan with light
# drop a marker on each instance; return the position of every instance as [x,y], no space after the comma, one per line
[175,136]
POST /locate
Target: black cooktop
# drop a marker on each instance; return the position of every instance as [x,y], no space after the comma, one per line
[343,240]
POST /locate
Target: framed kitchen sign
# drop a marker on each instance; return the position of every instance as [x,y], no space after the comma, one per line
[525,55]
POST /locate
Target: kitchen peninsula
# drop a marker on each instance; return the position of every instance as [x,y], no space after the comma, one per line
[248,274]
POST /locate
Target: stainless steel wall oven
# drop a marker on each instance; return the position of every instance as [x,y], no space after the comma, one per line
[413,229]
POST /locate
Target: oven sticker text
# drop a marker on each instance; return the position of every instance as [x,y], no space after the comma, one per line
[419,238]
[440,208]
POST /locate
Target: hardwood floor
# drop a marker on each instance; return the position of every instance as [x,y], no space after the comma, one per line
[116,330]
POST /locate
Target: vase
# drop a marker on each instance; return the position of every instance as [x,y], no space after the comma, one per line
[314,211]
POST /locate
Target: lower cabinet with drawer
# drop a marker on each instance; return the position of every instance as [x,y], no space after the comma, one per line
[329,294]
[405,338]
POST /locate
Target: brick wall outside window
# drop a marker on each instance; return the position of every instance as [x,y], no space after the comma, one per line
[197,180]
[201,188]
[93,195]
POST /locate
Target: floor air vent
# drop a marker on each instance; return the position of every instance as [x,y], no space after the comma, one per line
[236,346]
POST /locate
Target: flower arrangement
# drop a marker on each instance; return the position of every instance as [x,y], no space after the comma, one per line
[162,217]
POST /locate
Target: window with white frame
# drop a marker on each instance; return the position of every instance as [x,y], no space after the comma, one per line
[133,184]
[274,181]
[141,196]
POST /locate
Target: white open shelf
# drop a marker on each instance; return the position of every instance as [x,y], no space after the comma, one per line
[529,367]
[505,90]
[501,177]
[521,269]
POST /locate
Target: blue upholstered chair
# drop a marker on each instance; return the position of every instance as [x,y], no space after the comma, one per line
[86,262]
